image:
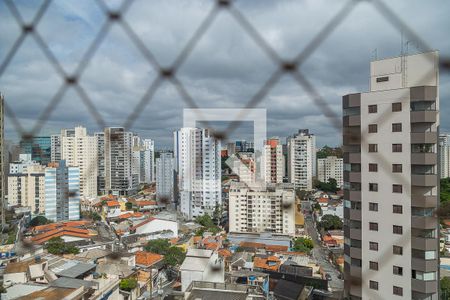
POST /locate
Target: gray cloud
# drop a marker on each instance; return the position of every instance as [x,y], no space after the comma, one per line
[224,70]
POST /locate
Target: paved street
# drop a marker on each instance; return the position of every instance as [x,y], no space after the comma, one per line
[320,253]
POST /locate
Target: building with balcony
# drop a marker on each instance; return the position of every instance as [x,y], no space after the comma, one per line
[330,167]
[198,171]
[301,149]
[27,189]
[165,176]
[273,161]
[257,210]
[391,181]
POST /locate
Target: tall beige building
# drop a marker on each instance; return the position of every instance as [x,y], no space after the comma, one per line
[330,167]
[273,161]
[79,149]
[301,152]
[268,209]
[391,181]
[27,189]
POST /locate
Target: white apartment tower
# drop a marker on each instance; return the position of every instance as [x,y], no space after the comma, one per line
[269,209]
[79,149]
[391,181]
[301,149]
[444,155]
[143,159]
[273,161]
[101,173]
[62,192]
[119,176]
[198,168]
[330,167]
[165,168]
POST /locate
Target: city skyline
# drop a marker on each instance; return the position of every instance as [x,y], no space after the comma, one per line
[226,79]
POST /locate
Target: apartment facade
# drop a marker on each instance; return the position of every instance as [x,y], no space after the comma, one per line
[444,155]
[273,161]
[198,171]
[39,147]
[119,176]
[27,189]
[330,167]
[62,192]
[391,181]
[79,149]
[2,160]
[101,173]
[55,152]
[165,168]
[301,148]
[262,209]
[143,159]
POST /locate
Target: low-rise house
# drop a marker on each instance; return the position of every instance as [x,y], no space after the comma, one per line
[147,205]
[154,225]
[24,271]
[147,259]
[201,265]
[271,263]
[68,234]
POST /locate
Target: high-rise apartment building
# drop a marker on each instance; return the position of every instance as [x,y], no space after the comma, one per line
[391,181]
[79,149]
[268,209]
[55,152]
[2,162]
[39,147]
[27,188]
[330,167]
[444,155]
[100,137]
[165,175]
[273,161]
[143,159]
[198,167]
[62,192]
[301,149]
[119,176]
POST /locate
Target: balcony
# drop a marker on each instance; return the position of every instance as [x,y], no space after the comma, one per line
[423,180]
[352,176]
[351,120]
[424,243]
[355,252]
[423,265]
[352,158]
[352,195]
[355,234]
[355,271]
[423,158]
[424,137]
[424,222]
[423,116]
[423,201]
[426,287]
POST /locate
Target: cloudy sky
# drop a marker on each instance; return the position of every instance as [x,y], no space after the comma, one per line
[224,70]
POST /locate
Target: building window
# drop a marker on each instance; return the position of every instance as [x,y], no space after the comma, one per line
[397,168]
[397,291]
[373,187]
[397,188]
[397,209]
[373,285]
[373,147]
[396,229]
[396,106]
[373,265]
[383,79]
[396,127]
[373,226]
[373,109]
[397,250]
[373,246]
[373,206]
[373,128]
[373,167]
[397,270]
[396,147]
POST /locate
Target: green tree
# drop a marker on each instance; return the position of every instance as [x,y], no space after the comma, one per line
[57,246]
[129,206]
[445,287]
[445,190]
[96,217]
[303,244]
[174,256]
[330,186]
[330,222]
[128,284]
[39,220]
[158,246]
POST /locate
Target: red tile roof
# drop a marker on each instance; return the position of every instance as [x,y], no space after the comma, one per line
[225,253]
[112,203]
[52,226]
[272,263]
[142,223]
[147,258]
[70,231]
[145,203]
